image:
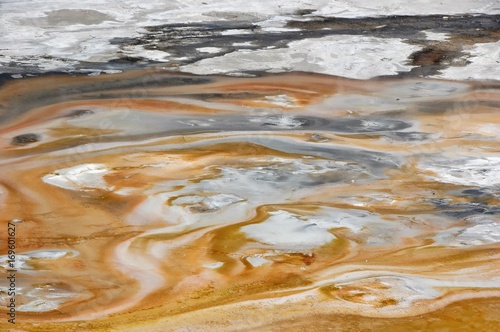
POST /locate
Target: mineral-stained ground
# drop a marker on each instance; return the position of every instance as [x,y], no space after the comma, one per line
[246,166]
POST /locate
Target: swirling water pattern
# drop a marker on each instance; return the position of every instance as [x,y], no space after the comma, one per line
[162,201]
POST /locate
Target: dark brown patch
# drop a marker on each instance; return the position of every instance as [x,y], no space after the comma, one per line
[431,56]
[25,139]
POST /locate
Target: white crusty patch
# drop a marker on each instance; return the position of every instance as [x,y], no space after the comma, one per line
[285,231]
[483,172]
[348,56]
[80,177]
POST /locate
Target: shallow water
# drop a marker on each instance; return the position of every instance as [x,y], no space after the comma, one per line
[162,201]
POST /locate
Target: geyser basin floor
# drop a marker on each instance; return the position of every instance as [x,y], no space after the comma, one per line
[158,201]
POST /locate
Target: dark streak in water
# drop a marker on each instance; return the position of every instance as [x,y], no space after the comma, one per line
[402,25]
[463,210]
[49,96]
[447,106]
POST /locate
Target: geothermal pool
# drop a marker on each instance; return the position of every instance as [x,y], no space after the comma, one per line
[157,201]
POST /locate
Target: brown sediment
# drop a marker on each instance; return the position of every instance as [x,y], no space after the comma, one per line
[150,199]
